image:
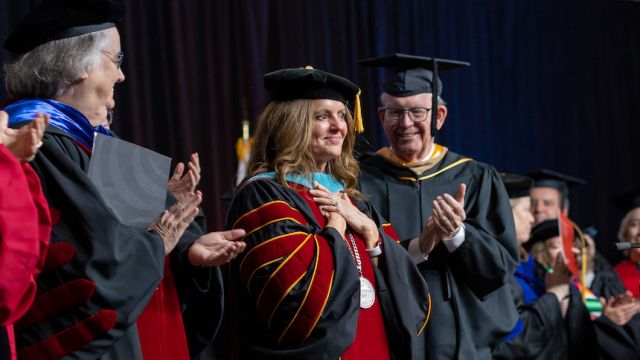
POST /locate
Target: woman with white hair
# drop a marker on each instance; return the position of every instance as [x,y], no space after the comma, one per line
[108,290]
[629,231]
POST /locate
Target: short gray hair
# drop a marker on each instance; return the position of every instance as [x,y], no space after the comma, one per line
[49,69]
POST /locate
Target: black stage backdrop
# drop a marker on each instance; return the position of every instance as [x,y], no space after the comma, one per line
[553,84]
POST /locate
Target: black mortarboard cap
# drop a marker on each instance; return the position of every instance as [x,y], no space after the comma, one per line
[310,83]
[411,75]
[517,185]
[628,201]
[60,19]
[556,180]
[543,231]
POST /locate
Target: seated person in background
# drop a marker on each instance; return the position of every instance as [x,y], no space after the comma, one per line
[550,197]
[629,231]
[618,324]
[320,277]
[600,276]
[539,333]
[547,248]
[550,194]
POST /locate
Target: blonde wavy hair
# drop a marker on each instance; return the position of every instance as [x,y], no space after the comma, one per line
[283,144]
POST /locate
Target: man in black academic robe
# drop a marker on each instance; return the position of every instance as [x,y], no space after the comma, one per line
[467,270]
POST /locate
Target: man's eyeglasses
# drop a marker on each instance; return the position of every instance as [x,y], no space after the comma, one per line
[116,58]
[416,114]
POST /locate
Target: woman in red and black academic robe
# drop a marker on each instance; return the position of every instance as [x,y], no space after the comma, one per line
[320,278]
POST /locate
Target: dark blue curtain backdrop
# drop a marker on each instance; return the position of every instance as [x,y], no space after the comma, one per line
[553,84]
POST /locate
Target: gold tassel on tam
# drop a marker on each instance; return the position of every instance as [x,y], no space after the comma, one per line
[357,114]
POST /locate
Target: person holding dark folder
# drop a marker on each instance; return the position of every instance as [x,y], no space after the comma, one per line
[320,279]
[108,290]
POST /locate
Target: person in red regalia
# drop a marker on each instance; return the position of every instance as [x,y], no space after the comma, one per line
[321,276]
[629,269]
[25,225]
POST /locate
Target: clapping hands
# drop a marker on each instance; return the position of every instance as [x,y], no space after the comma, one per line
[445,220]
[448,212]
[217,248]
[621,308]
[175,220]
[25,141]
[181,184]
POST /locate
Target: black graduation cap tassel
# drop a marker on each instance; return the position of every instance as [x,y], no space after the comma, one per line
[434,101]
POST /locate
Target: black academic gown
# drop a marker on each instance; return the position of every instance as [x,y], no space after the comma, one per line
[606,282]
[279,223]
[123,264]
[615,342]
[546,335]
[581,334]
[472,305]
[542,336]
